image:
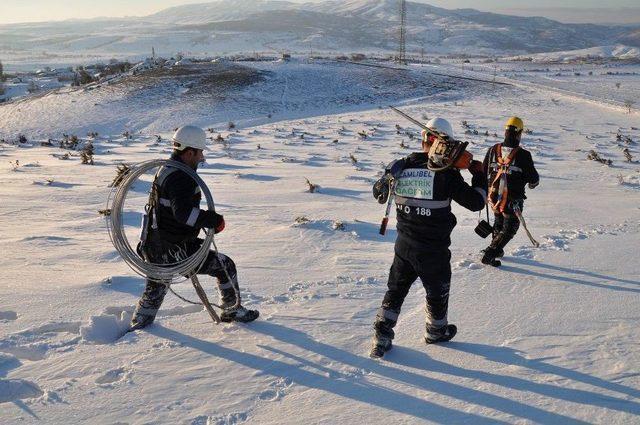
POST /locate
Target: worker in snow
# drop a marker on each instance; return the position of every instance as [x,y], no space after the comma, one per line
[425,222]
[509,167]
[176,199]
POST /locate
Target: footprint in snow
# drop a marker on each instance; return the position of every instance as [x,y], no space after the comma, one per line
[35,343]
[228,419]
[277,390]
[113,376]
[18,389]
[8,316]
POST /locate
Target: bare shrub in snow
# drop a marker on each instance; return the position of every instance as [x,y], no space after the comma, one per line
[629,104]
[300,220]
[87,154]
[121,171]
[338,225]
[311,187]
[627,155]
[33,87]
[69,142]
[594,156]
[353,159]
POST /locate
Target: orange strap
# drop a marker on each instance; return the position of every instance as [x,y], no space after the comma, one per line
[499,183]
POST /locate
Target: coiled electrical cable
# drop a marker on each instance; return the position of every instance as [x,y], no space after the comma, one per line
[165,273]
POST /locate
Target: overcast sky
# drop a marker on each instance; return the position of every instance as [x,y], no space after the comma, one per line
[567,11]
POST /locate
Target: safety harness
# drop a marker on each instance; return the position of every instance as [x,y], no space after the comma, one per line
[498,189]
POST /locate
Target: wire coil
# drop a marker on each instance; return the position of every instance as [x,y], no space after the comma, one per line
[165,273]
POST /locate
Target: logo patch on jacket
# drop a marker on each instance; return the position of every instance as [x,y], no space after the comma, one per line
[415,183]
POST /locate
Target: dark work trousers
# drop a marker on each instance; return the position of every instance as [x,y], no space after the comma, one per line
[505,225]
[160,252]
[412,261]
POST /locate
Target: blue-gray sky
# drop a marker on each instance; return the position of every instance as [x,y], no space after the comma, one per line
[567,11]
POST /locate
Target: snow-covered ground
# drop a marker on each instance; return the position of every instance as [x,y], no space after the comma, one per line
[208,94]
[609,83]
[551,337]
[617,51]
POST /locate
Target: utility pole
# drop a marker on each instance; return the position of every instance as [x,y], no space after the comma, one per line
[402,49]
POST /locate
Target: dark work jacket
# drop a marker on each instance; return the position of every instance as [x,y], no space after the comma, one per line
[178,206]
[423,200]
[521,171]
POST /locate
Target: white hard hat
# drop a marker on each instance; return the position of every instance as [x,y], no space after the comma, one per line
[190,136]
[440,125]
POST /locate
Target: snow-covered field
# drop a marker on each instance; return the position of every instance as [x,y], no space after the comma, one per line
[610,83]
[551,337]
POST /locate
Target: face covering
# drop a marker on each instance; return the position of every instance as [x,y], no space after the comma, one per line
[511,137]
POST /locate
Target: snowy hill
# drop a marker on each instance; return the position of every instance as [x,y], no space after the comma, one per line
[209,93]
[551,337]
[603,52]
[229,26]
[217,11]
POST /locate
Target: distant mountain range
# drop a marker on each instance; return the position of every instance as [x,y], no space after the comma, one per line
[231,26]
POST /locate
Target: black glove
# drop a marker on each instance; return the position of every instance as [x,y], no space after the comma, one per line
[381,189]
[479,178]
[476,167]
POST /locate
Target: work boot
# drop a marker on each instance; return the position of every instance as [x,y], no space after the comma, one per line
[380,345]
[499,252]
[490,255]
[239,314]
[140,321]
[441,334]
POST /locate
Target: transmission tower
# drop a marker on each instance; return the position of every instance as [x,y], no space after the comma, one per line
[402,48]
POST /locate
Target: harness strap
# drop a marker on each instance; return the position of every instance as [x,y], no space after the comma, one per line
[499,190]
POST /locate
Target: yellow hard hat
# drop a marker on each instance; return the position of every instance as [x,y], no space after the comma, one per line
[514,122]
